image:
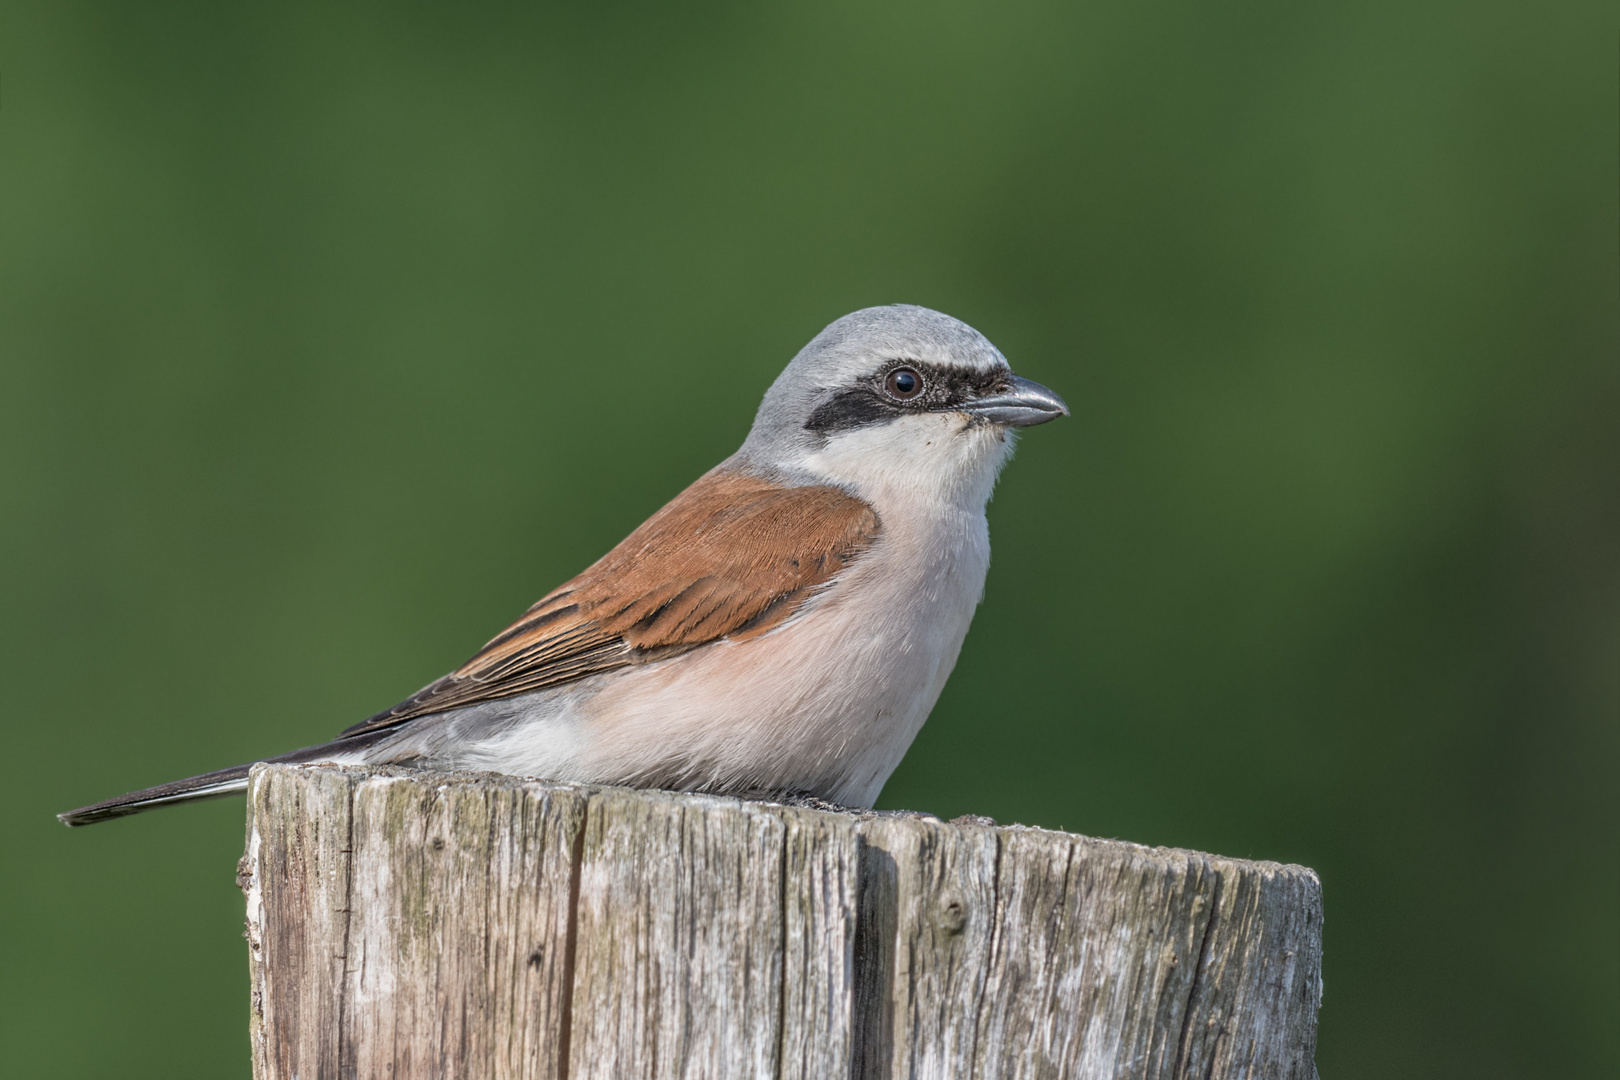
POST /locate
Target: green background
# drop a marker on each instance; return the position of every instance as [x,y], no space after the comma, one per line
[332,336]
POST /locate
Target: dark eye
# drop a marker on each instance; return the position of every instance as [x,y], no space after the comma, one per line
[903,383]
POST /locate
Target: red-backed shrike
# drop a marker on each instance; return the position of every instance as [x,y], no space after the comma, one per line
[782,627]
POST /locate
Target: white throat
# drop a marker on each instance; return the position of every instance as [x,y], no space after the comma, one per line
[936,458]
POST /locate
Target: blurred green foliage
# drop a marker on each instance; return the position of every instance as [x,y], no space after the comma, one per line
[333,335]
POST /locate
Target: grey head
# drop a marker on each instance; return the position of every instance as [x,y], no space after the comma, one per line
[879,364]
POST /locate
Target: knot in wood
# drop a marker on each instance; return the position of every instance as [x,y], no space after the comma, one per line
[952,915]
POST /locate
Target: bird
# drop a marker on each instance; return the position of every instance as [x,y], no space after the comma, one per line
[780,629]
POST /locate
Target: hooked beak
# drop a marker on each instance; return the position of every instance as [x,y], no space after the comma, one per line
[1025,403]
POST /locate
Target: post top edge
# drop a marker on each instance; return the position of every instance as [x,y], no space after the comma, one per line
[854,818]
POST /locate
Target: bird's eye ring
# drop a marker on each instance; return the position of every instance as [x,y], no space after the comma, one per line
[903,383]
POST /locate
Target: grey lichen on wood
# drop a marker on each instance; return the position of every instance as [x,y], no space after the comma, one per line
[426,924]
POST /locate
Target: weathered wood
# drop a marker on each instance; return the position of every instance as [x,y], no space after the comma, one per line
[423,924]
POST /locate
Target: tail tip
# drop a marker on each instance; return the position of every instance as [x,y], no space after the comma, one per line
[89,815]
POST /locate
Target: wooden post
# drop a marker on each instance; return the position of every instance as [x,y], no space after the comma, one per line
[408,924]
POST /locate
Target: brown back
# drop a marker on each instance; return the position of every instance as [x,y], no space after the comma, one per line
[730,557]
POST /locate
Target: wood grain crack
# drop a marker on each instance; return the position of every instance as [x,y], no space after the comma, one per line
[576,860]
[782,983]
[1190,1015]
[348,926]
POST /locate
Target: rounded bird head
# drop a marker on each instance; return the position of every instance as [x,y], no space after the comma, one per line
[897,401]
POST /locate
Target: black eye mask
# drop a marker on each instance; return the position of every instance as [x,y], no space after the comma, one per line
[945,389]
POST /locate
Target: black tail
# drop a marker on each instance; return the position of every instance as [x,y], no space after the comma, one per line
[210,785]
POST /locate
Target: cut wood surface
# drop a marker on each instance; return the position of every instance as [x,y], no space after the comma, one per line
[414,924]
